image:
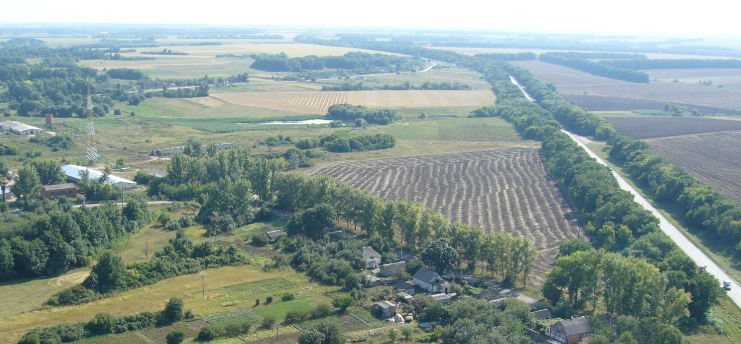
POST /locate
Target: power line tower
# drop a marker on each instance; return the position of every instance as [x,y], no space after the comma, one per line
[92,152]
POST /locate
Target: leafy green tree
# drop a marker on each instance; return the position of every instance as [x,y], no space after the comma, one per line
[49,172]
[343,303]
[311,337]
[108,275]
[440,255]
[173,310]
[27,183]
[317,221]
[175,337]
[7,263]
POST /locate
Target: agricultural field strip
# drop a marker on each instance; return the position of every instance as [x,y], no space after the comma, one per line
[654,127]
[319,102]
[501,190]
[575,83]
[713,158]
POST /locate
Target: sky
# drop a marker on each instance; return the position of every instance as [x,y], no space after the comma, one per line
[709,17]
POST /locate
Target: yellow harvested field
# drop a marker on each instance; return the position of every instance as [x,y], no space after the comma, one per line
[208,101]
[318,102]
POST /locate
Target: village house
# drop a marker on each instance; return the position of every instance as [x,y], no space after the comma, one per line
[569,331]
[388,309]
[372,258]
[430,281]
[59,190]
[403,286]
[391,268]
[542,314]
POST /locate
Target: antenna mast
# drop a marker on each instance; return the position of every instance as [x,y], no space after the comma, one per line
[92,152]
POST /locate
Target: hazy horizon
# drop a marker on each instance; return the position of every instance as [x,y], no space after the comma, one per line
[631,17]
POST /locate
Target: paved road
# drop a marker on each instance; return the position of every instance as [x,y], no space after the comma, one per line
[124,203]
[667,227]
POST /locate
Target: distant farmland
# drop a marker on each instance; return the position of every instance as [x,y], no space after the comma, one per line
[501,190]
[603,94]
[714,158]
[653,127]
[318,102]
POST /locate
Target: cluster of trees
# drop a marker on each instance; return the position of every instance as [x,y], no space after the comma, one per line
[348,86]
[347,112]
[359,62]
[595,68]
[105,323]
[331,263]
[229,36]
[180,257]
[8,150]
[63,239]
[125,73]
[473,321]
[164,52]
[343,141]
[674,64]
[32,176]
[670,291]
[508,56]
[56,142]
[613,219]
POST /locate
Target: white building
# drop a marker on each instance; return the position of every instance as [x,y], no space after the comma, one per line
[73,173]
[372,258]
[19,128]
[431,281]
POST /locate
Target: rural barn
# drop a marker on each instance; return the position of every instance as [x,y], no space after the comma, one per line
[388,308]
[372,258]
[569,331]
[19,128]
[59,190]
[73,174]
[391,268]
[430,281]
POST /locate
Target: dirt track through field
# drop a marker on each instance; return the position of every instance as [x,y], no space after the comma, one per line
[319,102]
[501,190]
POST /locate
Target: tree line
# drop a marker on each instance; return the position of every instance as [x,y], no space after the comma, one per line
[361,63]
[508,56]
[595,68]
[612,218]
[400,222]
[349,86]
[347,112]
[343,141]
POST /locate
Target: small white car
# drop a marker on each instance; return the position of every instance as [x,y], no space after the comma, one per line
[727,285]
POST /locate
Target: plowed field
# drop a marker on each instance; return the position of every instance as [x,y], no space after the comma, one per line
[318,102]
[659,126]
[714,158]
[501,190]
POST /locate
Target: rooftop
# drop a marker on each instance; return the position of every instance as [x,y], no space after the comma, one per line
[576,325]
[386,304]
[73,171]
[428,276]
[56,187]
[17,126]
[369,253]
[542,314]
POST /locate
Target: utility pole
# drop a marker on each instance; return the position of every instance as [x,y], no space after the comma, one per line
[203,286]
[277,326]
[146,250]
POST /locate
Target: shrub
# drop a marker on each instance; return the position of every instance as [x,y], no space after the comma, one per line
[257,302]
[173,310]
[296,316]
[287,297]
[260,239]
[322,310]
[208,333]
[268,321]
[175,337]
[268,299]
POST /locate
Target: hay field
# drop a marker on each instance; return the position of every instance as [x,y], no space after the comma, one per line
[319,102]
[598,93]
[500,190]
[714,158]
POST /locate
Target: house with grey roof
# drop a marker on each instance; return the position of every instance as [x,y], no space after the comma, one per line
[274,235]
[403,286]
[542,314]
[391,268]
[388,309]
[19,128]
[569,331]
[430,281]
[372,258]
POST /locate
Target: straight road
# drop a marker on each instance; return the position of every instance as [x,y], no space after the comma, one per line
[124,204]
[667,227]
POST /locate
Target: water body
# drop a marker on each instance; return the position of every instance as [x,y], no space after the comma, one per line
[308,121]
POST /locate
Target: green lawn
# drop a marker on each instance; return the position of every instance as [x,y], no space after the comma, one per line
[457,129]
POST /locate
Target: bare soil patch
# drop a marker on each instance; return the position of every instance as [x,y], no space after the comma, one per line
[319,102]
[714,158]
[573,83]
[654,127]
[500,190]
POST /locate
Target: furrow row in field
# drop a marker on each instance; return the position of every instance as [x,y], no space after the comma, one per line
[503,190]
